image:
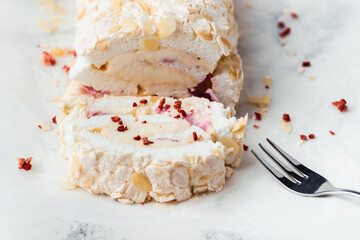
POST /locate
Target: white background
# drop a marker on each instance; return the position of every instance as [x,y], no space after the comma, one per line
[253,205]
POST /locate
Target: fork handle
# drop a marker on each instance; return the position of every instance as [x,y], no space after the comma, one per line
[345,191]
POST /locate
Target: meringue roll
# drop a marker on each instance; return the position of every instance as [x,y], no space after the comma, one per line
[173,48]
[135,149]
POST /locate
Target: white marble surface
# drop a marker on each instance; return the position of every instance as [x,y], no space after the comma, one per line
[253,205]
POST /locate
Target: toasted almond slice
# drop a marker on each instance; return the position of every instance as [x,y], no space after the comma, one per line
[47,26]
[67,185]
[81,14]
[101,45]
[114,29]
[44,126]
[206,35]
[145,7]
[286,126]
[267,80]
[226,42]
[116,3]
[148,27]
[300,69]
[141,182]
[153,10]
[57,99]
[57,52]
[100,16]
[166,27]
[129,24]
[228,172]
[261,101]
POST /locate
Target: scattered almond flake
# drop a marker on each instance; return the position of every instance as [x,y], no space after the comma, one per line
[67,185]
[129,24]
[101,45]
[50,6]
[206,35]
[65,82]
[44,126]
[47,26]
[300,69]
[267,80]
[57,99]
[57,52]
[312,78]
[285,12]
[56,83]
[194,198]
[300,142]
[81,14]
[286,126]
[249,4]
[292,53]
[24,163]
[125,201]
[261,101]
[228,172]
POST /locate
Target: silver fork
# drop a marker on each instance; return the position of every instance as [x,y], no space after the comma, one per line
[303,181]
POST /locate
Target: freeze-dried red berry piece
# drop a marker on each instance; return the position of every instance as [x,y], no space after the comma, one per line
[331,132]
[306,64]
[134,104]
[167,106]
[311,136]
[25,163]
[146,141]
[177,104]
[48,59]
[137,138]
[115,118]
[144,121]
[267,86]
[121,123]
[195,137]
[303,137]
[66,68]
[285,32]
[341,105]
[54,120]
[294,15]
[177,116]
[245,147]
[72,52]
[183,113]
[161,103]
[286,117]
[281,25]
[256,126]
[143,101]
[257,116]
[122,128]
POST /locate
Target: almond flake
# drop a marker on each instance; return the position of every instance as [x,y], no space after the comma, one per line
[248,4]
[67,185]
[50,6]
[99,17]
[292,53]
[267,80]
[57,52]
[44,126]
[205,35]
[228,172]
[261,101]
[153,10]
[166,27]
[114,29]
[312,78]
[129,24]
[81,14]
[145,7]
[286,126]
[101,45]
[148,27]
[116,3]
[150,44]
[48,26]
[226,42]
[57,99]
[300,69]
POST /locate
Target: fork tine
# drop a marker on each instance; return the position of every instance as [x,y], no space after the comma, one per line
[274,172]
[297,165]
[292,175]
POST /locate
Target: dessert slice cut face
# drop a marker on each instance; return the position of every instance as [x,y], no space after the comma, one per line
[135,149]
[164,48]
